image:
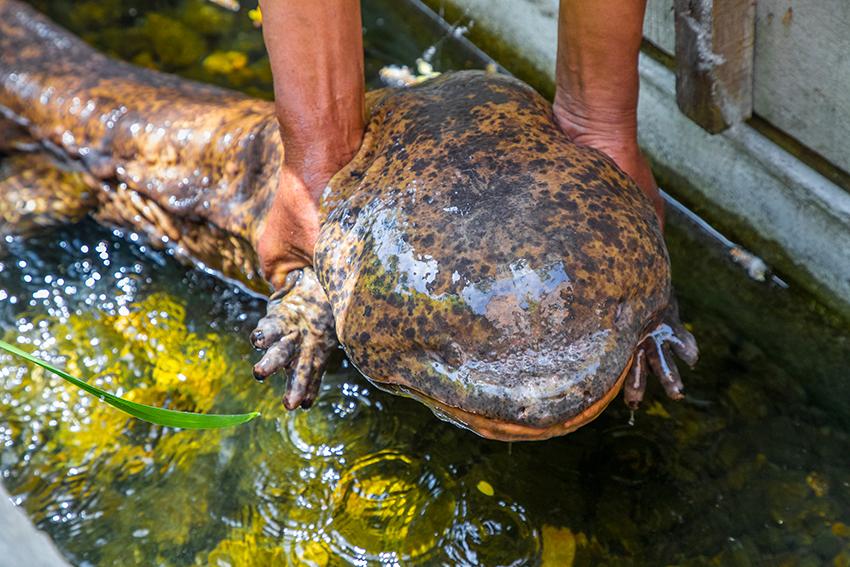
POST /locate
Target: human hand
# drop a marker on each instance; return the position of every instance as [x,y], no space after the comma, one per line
[614,134]
[292,222]
[316,55]
[297,334]
[291,227]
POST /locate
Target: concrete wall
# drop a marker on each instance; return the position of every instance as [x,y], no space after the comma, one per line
[21,544]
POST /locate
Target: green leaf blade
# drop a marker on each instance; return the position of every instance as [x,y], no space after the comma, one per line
[159,416]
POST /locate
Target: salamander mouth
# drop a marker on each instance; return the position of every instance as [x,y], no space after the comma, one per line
[502,430]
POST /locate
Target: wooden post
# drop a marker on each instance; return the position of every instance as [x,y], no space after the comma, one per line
[714,61]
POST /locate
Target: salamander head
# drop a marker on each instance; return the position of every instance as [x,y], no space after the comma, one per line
[480,262]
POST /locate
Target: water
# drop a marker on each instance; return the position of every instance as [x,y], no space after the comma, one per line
[753,468]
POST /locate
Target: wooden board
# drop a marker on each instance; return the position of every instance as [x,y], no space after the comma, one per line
[802,73]
[658,25]
[714,61]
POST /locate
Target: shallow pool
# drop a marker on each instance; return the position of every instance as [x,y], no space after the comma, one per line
[752,468]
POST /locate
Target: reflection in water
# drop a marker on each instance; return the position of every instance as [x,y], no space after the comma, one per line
[313,434]
[496,532]
[752,467]
[391,507]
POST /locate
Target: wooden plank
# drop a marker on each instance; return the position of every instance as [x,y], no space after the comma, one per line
[714,61]
[802,73]
[658,25]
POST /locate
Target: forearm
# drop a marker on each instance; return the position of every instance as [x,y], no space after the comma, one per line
[316,53]
[597,72]
[597,83]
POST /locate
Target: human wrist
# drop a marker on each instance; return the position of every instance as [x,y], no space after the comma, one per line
[319,160]
[591,123]
[613,132]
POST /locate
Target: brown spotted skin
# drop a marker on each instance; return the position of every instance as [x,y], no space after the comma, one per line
[39,191]
[470,255]
[197,151]
[475,257]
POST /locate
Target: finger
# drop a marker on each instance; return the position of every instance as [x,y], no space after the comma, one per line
[276,357]
[304,376]
[320,362]
[296,388]
[685,345]
[661,362]
[683,342]
[269,330]
[635,384]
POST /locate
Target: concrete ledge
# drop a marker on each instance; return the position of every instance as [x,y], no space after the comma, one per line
[21,544]
[780,208]
[760,195]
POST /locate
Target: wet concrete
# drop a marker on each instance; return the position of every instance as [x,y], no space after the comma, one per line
[20,542]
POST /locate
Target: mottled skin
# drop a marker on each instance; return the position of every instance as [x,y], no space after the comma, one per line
[477,258]
[191,152]
[470,255]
